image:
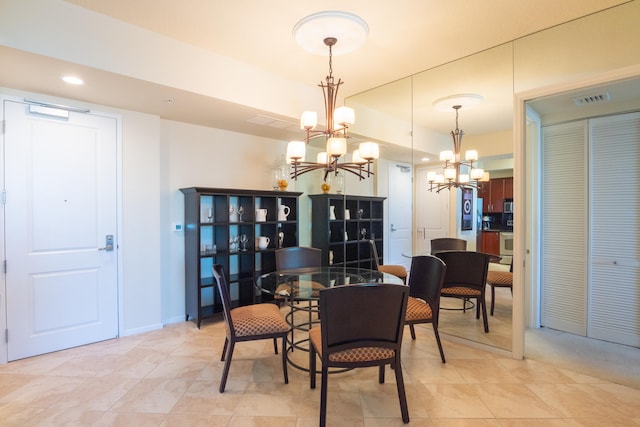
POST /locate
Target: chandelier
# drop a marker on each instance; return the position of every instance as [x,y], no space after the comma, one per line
[457,173]
[336,135]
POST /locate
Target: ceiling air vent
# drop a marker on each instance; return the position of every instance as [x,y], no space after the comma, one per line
[592,99]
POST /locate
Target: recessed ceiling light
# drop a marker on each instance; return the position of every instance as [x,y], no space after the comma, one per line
[72,80]
[425,159]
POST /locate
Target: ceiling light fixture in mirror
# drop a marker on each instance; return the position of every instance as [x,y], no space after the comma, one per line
[457,173]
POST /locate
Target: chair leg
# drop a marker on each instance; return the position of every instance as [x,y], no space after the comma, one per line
[435,332]
[312,366]
[493,297]
[323,396]
[401,394]
[275,345]
[227,364]
[224,349]
[484,313]
[413,331]
[284,358]
[381,374]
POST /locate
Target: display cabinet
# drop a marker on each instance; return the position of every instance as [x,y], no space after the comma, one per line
[342,227]
[239,229]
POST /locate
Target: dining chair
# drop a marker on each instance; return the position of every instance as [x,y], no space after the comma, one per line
[499,279]
[425,285]
[295,258]
[360,325]
[466,278]
[249,323]
[397,270]
[447,244]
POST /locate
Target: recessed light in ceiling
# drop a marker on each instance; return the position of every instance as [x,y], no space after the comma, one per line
[72,80]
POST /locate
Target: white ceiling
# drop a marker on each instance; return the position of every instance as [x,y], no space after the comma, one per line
[405,38]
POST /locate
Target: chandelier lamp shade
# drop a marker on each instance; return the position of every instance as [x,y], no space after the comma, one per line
[457,172]
[337,126]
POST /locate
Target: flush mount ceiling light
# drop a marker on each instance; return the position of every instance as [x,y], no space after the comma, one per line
[311,31]
[326,26]
[72,80]
[457,173]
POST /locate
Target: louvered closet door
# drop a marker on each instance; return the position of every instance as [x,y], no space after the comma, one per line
[614,307]
[564,227]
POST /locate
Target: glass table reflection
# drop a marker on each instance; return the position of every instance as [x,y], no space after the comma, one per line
[299,290]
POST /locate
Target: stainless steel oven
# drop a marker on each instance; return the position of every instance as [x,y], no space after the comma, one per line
[506,247]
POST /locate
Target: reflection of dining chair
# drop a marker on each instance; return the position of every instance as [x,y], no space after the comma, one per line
[425,285]
[396,270]
[499,279]
[360,325]
[466,278]
[447,244]
[249,323]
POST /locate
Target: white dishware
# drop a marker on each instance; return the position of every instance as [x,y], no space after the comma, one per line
[263,242]
[347,214]
[261,215]
[283,212]
[332,212]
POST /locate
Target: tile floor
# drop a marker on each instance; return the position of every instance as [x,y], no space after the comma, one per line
[170,377]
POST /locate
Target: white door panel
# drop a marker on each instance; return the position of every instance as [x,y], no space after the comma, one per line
[400,212]
[432,214]
[61,203]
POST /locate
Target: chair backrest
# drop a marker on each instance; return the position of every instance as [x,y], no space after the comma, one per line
[223,290]
[374,254]
[447,244]
[298,257]
[465,268]
[426,279]
[362,315]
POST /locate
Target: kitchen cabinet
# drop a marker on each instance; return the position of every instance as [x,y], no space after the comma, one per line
[345,240]
[491,242]
[494,192]
[223,226]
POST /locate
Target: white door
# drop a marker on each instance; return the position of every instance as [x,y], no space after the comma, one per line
[432,213]
[60,182]
[400,213]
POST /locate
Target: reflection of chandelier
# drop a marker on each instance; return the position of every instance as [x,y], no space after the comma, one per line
[338,121]
[457,173]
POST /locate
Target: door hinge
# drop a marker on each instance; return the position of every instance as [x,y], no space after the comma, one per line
[4,197]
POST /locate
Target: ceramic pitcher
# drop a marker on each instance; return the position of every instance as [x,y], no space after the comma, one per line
[283,212]
[263,242]
[261,215]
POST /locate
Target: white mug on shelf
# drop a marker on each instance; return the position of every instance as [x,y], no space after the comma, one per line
[283,212]
[261,215]
[332,212]
[263,242]
[347,214]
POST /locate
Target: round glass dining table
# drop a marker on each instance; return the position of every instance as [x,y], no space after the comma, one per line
[299,290]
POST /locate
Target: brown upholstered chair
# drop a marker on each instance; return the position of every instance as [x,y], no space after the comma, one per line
[361,325]
[466,278]
[396,270]
[249,323]
[425,285]
[499,279]
[447,244]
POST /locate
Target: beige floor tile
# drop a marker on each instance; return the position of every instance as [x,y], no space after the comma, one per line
[195,420]
[576,400]
[454,401]
[152,396]
[514,401]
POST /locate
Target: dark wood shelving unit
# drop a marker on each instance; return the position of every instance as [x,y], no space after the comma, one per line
[209,228]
